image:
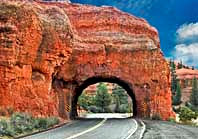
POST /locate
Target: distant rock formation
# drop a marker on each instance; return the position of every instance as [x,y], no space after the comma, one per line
[185,77]
[186,74]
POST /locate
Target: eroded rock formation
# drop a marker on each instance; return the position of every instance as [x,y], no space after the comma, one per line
[48,50]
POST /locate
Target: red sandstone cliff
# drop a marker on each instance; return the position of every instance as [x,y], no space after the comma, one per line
[35,41]
[47,50]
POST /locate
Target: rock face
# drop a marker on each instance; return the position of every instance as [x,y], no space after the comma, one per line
[50,52]
[185,77]
[183,74]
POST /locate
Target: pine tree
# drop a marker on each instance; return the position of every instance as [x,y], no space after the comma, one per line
[117,102]
[194,94]
[173,77]
[121,100]
[102,98]
[177,96]
[85,101]
[121,93]
[180,65]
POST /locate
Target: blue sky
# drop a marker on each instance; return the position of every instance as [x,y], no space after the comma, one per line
[176,21]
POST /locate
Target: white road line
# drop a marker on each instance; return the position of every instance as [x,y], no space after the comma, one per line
[88,130]
[143,130]
[132,131]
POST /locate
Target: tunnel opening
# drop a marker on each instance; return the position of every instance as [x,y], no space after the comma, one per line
[96,81]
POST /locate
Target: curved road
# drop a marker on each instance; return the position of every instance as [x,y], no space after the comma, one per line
[92,129]
[119,129]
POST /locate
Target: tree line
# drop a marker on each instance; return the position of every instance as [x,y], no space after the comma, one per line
[104,102]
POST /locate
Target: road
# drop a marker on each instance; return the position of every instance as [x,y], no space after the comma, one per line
[168,130]
[92,129]
[119,129]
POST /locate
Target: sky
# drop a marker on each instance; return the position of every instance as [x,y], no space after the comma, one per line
[176,21]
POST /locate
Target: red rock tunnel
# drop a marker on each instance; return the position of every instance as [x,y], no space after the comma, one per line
[50,51]
[78,91]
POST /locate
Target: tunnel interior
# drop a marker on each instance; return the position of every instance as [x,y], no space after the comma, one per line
[79,90]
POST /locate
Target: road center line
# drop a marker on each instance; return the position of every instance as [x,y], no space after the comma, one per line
[88,130]
[131,130]
[143,130]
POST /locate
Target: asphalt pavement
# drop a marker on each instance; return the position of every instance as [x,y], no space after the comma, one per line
[168,130]
[126,128]
[92,129]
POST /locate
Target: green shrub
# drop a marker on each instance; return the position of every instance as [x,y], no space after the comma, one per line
[85,101]
[6,129]
[44,123]
[52,121]
[22,122]
[3,127]
[124,108]
[120,95]
[95,109]
[186,114]
[41,123]
[10,131]
[192,107]
[107,110]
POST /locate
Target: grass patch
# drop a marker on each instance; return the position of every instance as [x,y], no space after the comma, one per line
[23,123]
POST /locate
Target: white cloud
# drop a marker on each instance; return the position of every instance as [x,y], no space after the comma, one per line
[188,32]
[187,53]
[187,47]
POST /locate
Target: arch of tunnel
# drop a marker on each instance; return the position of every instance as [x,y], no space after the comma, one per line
[94,80]
[51,51]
